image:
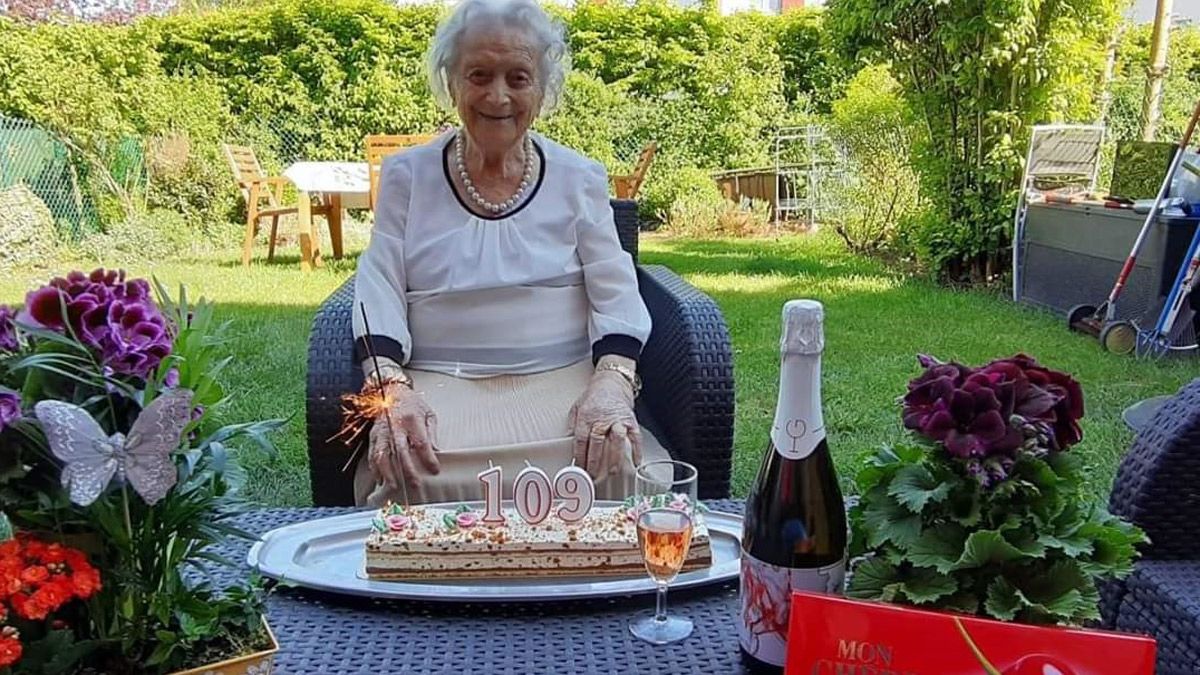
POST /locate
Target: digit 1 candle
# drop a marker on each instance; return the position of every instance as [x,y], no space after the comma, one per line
[575,487]
[493,482]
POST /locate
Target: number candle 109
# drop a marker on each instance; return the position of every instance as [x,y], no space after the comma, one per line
[534,494]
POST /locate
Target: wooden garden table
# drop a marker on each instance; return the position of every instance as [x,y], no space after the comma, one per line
[338,185]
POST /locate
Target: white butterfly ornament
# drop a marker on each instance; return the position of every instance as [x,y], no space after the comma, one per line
[91,458]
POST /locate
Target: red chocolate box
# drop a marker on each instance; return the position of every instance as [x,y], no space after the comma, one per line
[830,635]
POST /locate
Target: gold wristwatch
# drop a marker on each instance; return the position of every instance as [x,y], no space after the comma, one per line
[629,374]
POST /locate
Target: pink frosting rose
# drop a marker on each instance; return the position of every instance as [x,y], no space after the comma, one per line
[467,519]
[397,522]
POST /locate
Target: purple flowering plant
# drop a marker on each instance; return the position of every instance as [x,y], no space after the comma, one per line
[984,416]
[982,509]
[112,344]
[83,334]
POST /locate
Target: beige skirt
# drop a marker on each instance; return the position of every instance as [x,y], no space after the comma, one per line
[507,420]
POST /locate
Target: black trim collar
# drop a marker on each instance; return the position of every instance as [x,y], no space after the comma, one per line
[507,214]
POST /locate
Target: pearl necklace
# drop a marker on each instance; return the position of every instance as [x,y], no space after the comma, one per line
[507,204]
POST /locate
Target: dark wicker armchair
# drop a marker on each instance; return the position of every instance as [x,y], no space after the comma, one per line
[1158,488]
[686,366]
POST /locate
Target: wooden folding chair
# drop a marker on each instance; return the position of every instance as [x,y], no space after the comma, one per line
[627,186]
[382,145]
[263,195]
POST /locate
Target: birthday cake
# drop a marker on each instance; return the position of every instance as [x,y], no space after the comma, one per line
[440,542]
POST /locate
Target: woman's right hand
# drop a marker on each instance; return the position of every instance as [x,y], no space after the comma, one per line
[413,439]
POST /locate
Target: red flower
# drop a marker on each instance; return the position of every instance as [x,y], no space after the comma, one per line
[49,598]
[10,579]
[54,553]
[38,578]
[34,548]
[1041,396]
[34,575]
[10,651]
[74,559]
[10,548]
[85,582]
[19,603]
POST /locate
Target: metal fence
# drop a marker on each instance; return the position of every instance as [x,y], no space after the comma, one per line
[76,186]
[626,151]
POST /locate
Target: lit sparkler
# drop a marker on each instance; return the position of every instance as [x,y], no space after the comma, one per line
[362,409]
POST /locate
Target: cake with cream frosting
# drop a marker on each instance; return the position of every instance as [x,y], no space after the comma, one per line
[439,542]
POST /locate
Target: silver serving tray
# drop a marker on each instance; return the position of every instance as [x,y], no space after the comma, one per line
[327,555]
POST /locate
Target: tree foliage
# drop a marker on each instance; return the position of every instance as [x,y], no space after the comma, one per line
[979,73]
[1181,89]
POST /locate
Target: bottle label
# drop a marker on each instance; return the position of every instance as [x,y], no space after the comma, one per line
[767,596]
[796,438]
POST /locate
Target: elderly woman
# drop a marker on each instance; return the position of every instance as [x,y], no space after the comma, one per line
[502,308]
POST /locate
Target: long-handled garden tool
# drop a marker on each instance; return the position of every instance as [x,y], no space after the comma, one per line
[1121,336]
[1177,312]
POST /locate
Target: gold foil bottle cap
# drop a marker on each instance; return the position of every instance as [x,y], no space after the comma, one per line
[803,327]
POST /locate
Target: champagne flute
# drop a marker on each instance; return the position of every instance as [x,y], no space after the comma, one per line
[665,500]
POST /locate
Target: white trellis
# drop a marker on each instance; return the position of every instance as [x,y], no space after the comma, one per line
[807,164]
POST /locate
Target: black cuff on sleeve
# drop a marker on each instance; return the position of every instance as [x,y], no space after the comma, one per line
[381,345]
[615,343]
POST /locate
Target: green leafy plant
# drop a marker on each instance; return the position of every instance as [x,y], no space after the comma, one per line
[1180,89]
[878,132]
[984,511]
[814,70]
[665,188]
[979,73]
[102,343]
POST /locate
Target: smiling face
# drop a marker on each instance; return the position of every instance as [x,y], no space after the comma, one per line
[496,86]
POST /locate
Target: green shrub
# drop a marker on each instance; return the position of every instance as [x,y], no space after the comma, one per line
[157,235]
[699,217]
[1181,88]
[923,235]
[814,72]
[83,81]
[319,75]
[201,191]
[593,118]
[878,131]
[187,171]
[112,112]
[27,234]
[664,187]
[711,86]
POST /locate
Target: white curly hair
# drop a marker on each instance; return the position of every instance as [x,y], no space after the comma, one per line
[546,35]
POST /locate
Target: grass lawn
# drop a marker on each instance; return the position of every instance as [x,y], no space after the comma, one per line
[876,322]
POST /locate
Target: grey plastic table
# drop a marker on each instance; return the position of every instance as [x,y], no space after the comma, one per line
[328,633]
[1138,414]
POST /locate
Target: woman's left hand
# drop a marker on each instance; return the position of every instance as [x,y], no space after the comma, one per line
[603,421]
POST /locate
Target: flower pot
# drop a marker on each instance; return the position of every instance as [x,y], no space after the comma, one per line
[258,663]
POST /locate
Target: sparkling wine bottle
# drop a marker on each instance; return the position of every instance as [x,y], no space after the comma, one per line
[794,535]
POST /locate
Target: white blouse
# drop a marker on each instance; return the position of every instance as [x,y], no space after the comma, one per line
[472,296]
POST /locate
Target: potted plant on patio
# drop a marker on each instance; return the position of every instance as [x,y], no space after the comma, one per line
[118,485]
[984,510]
